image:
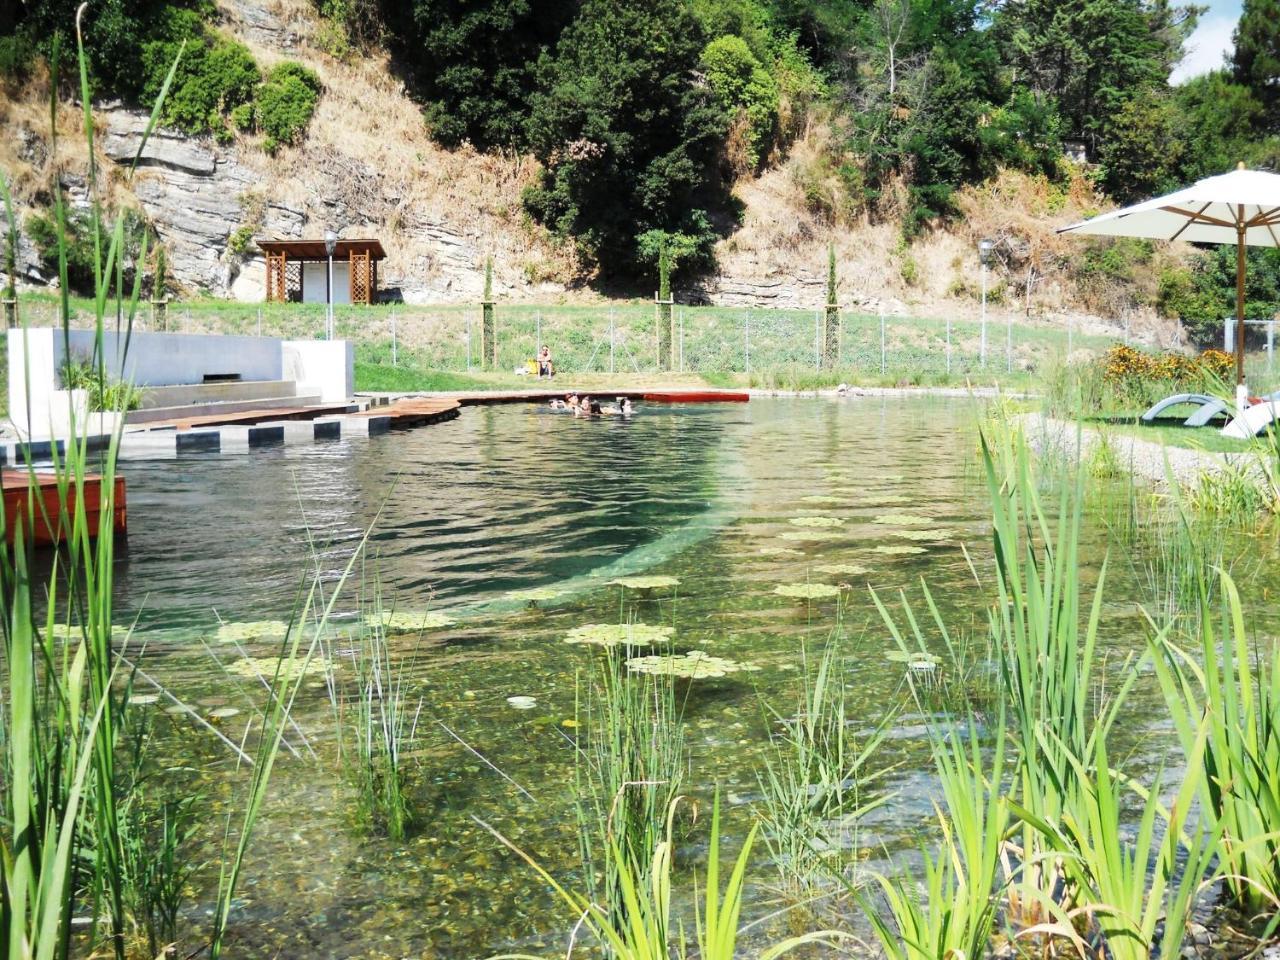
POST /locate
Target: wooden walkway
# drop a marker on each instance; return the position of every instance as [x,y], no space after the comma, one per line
[47,527]
[414,411]
[650,395]
[245,418]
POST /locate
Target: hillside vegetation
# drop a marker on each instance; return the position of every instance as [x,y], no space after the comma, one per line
[576,140]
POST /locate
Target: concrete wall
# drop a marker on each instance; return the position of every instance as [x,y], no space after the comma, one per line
[321,368]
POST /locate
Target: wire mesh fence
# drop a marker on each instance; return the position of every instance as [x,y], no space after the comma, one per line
[622,338]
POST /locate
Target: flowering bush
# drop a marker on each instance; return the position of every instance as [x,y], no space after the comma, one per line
[1130,369]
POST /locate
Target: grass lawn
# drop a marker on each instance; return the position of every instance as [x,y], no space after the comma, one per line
[1171,434]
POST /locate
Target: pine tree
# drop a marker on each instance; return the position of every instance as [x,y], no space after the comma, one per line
[1257,52]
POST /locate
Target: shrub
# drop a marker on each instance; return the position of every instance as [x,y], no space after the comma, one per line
[105,391]
[1132,374]
[43,232]
[213,78]
[742,85]
[16,55]
[285,103]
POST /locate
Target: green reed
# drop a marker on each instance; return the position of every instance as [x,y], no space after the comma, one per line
[1234,692]
[627,776]
[1135,890]
[818,782]
[374,748]
[644,892]
[948,909]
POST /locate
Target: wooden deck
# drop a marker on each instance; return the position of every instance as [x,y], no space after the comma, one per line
[414,411]
[649,395]
[47,527]
[246,418]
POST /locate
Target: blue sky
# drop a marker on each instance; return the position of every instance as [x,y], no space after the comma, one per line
[1212,39]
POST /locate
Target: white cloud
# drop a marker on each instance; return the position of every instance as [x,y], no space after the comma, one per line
[1206,48]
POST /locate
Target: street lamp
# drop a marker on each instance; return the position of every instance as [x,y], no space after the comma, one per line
[330,244]
[985,249]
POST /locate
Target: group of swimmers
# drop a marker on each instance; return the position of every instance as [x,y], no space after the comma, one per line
[585,406]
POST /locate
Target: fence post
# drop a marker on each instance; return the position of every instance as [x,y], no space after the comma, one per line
[393,339]
[1008,343]
[817,340]
[1228,336]
[682,341]
[948,346]
[882,344]
[747,342]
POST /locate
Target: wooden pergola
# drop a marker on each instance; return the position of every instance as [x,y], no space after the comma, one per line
[286,257]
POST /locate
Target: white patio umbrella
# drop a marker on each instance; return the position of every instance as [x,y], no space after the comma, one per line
[1241,207]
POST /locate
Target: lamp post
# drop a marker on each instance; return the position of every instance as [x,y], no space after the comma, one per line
[984,256]
[330,244]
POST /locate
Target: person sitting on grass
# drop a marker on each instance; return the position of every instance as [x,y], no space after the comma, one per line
[545,367]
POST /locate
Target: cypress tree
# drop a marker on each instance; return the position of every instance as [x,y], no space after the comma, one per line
[1256,60]
[665,336]
[488,338]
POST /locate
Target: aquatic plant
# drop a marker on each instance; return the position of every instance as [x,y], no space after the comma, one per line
[381,737]
[818,522]
[651,582]
[817,781]
[271,667]
[821,498]
[781,552]
[628,772]
[643,897]
[1235,692]
[888,500]
[842,569]
[939,533]
[694,665]
[230,632]
[903,520]
[892,549]
[534,595]
[810,535]
[619,634]
[807,591]
[950,912]
[407,621]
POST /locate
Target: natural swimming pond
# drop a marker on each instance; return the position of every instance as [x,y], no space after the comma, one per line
[505,499]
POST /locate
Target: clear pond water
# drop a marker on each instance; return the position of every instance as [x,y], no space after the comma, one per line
[517,497]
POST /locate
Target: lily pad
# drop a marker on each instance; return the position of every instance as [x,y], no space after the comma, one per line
[694,665]
[407,621]
[523,703]
[535,594]
[62,631]
[265,667]
[806,591]
[619,634]
[938,534]
[816,522]
[896,550]
[915,659]
[143,699]
[842,569]
[230,632]
[807,535]
[652,582]
[903,520]
[224,713]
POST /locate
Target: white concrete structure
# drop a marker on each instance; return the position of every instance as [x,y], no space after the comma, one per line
[40,409]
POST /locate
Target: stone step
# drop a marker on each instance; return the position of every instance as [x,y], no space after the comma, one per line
[187,411]
[224,391]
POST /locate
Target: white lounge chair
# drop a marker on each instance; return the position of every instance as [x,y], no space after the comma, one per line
[1203,400]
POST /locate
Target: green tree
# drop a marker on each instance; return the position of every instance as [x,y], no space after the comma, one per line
[284,103]
[1220,123]
[1143,149]
[1256,59]
[473,61]
[627,139]
[1092,56]
[743,86]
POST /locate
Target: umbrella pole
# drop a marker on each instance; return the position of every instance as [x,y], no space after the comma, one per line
[1242,393]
